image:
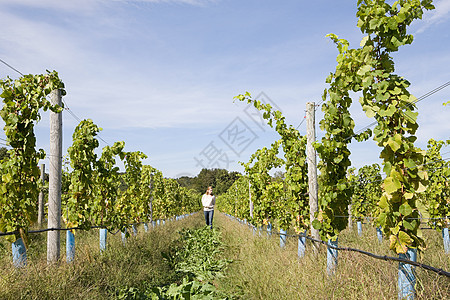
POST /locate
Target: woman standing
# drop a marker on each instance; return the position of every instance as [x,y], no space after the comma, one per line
[208,202]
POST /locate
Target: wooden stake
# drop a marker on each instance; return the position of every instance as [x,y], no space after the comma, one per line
[54,189]
[312,167]
[41,199]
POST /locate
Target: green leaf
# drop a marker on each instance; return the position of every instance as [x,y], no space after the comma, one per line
[382,219]
[405,209]
[421,188]
[395,142]
[363,70]
[412,116]
[370,113]
[392,185]
[409,225]
[364,41]
[317,224]
[404,238]
[408,196]
[383,202]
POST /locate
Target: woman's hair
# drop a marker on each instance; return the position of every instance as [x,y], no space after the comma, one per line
[209,187]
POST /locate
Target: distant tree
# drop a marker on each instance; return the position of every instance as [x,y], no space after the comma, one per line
[279,176]
[219,179]
[224,181]
[3,153]
[186,181]
[205,178]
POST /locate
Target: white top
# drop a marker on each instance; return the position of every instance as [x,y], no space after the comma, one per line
[208,202]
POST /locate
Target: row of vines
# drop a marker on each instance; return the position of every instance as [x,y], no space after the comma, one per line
[409,189]
[94,191]
[415,182]
[275,202]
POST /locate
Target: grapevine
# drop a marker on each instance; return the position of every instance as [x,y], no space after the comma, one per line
[129,206]
[258,167]
[385,96]
[366,192]
[437,195]
[83,160]
[107,182]
[295,187]
[235,200]
[19,188]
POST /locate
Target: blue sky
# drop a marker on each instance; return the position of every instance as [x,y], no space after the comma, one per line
[161,74]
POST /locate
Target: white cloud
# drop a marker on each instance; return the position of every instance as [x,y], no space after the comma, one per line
[440,14]
[83,6]
[32,46]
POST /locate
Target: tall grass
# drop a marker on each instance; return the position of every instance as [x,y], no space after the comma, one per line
[94,275]
[261,270]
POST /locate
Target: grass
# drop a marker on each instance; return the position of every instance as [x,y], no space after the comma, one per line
[137,265]
[261,270]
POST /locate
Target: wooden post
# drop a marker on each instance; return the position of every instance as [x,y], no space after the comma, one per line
[312,167]
[151,200]
[350,220]
[235,201]
[41,199]
[250,197]
[54,188]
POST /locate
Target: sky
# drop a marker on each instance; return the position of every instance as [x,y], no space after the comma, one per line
[161,75]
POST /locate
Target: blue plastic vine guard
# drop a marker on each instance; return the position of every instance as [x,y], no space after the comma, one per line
[446,239]
[282,238]
[332,257]
[19,253]
[103,237]
[70,246]
[301,245]
[359,225]
[379,234]
[407,276]
[124,236]
[269,229]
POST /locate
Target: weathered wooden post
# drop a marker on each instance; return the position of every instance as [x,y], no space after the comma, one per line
[54,187]
[41,199]
[312,168]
